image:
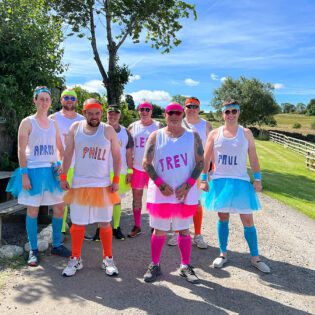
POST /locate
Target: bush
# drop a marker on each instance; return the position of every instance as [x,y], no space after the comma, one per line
[313,126]
[297,126]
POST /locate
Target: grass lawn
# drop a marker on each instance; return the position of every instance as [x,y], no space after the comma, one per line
[286,178]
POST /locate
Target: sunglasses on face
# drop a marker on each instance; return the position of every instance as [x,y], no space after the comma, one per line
[192,106]
[233,111]
[174,112]
[68,98]
[144,109]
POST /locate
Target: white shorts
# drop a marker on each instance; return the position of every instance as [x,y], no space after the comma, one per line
[83,215]
[175,224]
[45,199]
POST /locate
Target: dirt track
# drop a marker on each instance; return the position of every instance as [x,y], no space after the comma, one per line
[286,241]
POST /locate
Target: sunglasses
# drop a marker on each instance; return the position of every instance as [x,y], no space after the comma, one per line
[233,111]
[192,106]
[68,98]
[174,112]
[144,109]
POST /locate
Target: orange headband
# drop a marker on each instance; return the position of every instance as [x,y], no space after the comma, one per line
[192,101]
[92,105]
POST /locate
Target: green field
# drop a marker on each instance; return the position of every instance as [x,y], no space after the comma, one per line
[286,178]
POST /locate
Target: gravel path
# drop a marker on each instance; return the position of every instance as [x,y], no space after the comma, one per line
[286,241]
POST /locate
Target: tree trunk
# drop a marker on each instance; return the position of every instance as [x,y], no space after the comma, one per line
[112,97]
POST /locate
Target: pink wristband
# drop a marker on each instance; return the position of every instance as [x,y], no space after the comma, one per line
[190,181]
[158,181]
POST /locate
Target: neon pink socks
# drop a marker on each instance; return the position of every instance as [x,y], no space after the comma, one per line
[184,245]
[157,243]
[137,216]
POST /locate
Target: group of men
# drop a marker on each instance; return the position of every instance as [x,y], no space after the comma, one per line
[100,161]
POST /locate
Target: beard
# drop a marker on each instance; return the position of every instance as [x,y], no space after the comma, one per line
[93,123]
[68,108]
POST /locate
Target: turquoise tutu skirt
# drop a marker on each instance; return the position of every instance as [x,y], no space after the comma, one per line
[42,179]
[230,195]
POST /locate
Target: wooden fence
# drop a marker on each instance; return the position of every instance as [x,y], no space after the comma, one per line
[302,147]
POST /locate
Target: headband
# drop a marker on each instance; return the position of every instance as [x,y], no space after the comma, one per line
[174,107]
[225,107]
[192,101]
[92,105]
[145,105]
[41,90]
[69,92]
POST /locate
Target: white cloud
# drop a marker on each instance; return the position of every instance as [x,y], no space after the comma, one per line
[214,77]
[151,96]
[133,78]
[93,86]
[223,79]
[278,86]
[191,82]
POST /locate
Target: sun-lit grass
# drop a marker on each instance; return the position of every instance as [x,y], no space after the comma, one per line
[286,178]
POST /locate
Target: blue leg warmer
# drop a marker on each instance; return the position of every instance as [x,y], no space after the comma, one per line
[251,238]
[31,229]
[56,227]
[223,234]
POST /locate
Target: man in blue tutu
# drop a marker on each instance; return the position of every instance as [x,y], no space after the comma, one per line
[230,188]
[36,182]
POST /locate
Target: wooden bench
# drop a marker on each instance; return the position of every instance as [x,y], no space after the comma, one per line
[7,208]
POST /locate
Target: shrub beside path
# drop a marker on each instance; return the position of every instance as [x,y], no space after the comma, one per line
[286,241]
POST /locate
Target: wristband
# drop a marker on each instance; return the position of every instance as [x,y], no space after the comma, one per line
[190,181]
[63,177]
[158,182]
[203,177]
[129,171]
[116,179]
[23,170]
[257,176]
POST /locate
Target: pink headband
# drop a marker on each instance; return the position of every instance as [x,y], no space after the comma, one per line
[175,107]
[145,105]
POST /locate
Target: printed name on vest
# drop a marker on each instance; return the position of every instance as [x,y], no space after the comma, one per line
[140,142]
[225,159]
[95,153]
[171,162]
[44,149]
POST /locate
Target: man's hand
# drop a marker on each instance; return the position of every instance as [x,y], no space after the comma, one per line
[114,187]
[26,184]
[64,185]
[182,191]
[166,190]
[128,178]
[257,185]
[204,186]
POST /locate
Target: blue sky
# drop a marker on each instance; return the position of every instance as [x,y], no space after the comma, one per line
[271,40]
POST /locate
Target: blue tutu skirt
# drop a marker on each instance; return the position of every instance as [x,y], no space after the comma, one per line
[42,179]
[230,195]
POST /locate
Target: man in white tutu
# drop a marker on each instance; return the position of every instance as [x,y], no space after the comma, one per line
[230,189]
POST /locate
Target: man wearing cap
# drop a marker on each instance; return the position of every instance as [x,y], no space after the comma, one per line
[140,131]
[64,119]
[126,147]
[172,197]
[230,188]
[92,194]
[193,122]
[34,183]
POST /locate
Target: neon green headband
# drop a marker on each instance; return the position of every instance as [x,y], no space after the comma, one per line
[69,92]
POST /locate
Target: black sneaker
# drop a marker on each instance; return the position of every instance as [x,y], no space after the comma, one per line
[61,251]
[188,273]
[152,273]
[88,237]
[33,258]
[118,234]
[96,237]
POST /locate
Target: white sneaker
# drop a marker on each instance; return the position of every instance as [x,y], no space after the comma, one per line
[173,240]
[219,262]
[74,264]
[109,266]
[260,265]
[200,243]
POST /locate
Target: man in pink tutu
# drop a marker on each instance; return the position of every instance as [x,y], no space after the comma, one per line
[230,188]
[140,131]
[172,198]
[35,183]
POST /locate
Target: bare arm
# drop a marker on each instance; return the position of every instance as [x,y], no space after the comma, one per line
[60,149]
[149,152]
[208,128]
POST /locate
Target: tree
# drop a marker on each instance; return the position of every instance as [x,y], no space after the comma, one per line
[311,108]
[122,19]
[288,108]
[300,108]
[29,56]
[157,111]
[130,102]
[180,99]
[256,99]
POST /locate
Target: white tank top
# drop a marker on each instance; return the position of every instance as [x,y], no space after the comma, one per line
[230,156]
[140,136]
[64,125]
[41,149]
[200,128]
[91,167]
[174,161]
[123,140]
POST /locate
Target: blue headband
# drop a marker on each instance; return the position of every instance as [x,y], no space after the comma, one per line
[41,90]
[224,108]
